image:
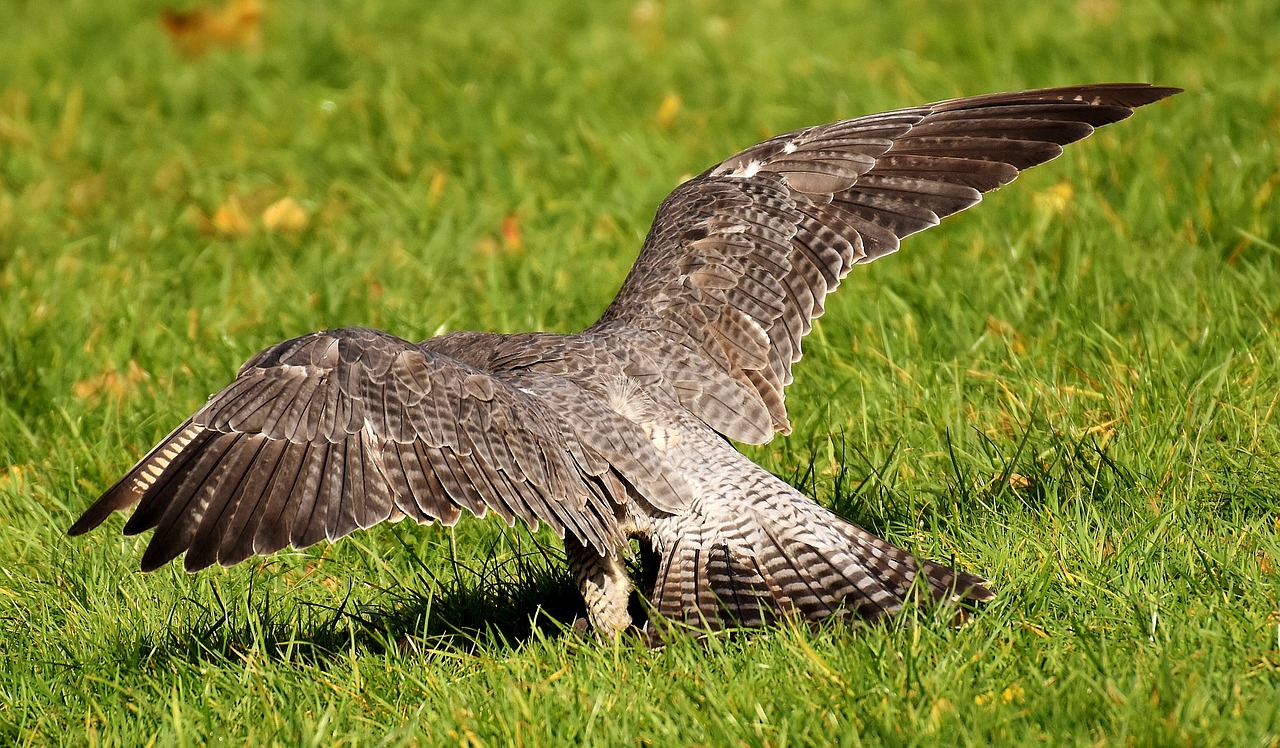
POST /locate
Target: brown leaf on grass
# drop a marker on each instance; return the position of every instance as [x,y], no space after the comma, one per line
[1020,482]
[117,385]
[1006,331]
[285,216]
[12,478]
[511,240]
[236,24]
[230,219]
[1016,482]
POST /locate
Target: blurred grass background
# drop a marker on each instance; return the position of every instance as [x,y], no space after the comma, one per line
[1070,389]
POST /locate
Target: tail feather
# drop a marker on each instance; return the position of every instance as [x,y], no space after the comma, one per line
[899,569]
[711,586]
[806,563]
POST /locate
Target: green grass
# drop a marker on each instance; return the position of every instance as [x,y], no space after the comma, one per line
[1073,394]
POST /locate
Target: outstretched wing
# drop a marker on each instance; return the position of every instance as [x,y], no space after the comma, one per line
[342,429]
[740,258]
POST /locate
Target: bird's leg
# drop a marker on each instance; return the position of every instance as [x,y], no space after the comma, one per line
[604,584]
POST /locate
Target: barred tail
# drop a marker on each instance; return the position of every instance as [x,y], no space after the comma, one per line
[790,557]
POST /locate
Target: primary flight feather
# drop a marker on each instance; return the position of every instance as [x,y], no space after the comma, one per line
[618,431]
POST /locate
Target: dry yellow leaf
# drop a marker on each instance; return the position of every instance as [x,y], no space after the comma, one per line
[111,383]
[11,477]
[236,24]
[230,219]
[1056,200]
[511,239]
[1020,482]
[667,110]
[1014,692]
[1012,337]
[285,216]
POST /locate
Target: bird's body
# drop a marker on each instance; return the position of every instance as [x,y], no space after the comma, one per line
[621,431]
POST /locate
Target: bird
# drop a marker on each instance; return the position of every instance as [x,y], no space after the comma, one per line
[624,431]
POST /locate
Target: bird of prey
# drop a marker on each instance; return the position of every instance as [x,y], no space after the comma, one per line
[623,430]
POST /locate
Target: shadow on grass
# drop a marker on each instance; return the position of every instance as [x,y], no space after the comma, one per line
[525,595]
[500,606]
[986,476]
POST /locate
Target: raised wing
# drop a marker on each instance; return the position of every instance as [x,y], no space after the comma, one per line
[740,258]
[342,429]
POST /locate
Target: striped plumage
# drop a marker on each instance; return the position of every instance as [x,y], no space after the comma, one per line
[618,431]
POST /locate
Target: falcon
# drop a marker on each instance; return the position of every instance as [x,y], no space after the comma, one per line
[624,430]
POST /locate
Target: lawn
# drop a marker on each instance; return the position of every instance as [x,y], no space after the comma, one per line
[1071,389]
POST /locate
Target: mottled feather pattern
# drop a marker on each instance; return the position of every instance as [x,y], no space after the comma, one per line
[621,430]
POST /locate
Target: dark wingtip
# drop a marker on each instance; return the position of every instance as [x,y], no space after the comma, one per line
[86,523]
[1164,92]
[113,500]
[1131,94]
[1140,94]
[160,553]
[1126,95]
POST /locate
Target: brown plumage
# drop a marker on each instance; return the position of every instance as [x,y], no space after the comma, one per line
[618,431]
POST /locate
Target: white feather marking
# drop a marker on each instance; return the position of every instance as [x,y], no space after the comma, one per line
[789,146]
[661,437]
[748,171]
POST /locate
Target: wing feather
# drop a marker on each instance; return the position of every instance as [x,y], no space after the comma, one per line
[754,244]
[337,431]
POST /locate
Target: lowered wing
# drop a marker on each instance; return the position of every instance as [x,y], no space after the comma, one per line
[342,429]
